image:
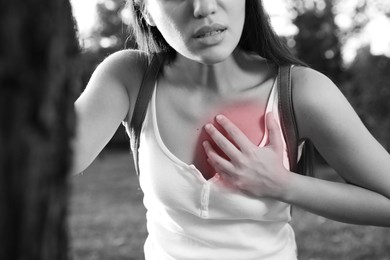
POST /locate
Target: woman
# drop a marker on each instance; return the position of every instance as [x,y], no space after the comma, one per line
[212,158]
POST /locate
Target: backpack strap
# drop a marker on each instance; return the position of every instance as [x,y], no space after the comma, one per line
[141,104]
[289,126]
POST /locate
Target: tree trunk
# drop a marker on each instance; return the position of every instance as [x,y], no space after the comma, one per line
[38,83]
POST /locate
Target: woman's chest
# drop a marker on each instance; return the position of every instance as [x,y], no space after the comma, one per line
[172,184]
[181,117]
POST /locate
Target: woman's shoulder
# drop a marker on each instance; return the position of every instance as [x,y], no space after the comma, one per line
[305,76]
[125,66]
[129,56]
[316,98]
[119,76]
[310,86]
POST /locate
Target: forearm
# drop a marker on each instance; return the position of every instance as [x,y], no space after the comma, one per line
[338,201]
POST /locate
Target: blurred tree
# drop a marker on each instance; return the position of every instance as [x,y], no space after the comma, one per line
[357,10]
[368,89]
[38,52]
[366,81]
[111,33]
[108,36]
[317,41]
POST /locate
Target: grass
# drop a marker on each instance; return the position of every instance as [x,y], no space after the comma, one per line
[107,220]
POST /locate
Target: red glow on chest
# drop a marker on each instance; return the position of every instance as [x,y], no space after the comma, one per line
[248,117]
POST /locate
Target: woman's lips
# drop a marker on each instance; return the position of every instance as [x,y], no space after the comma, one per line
[209,30]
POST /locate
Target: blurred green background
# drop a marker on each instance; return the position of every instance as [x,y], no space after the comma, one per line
[348,40]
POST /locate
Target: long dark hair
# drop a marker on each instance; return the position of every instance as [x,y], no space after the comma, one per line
[258,35]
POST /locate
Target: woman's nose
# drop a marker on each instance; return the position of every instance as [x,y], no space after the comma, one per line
[204,8]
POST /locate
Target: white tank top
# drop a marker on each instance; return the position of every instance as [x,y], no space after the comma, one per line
[189,217]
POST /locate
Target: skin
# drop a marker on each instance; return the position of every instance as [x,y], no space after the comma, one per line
[179,20]
[215,75]
[340,137]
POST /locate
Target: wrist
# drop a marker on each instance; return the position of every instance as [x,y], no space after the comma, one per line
[285,185]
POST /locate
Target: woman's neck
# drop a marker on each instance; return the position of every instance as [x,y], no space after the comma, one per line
[240,71]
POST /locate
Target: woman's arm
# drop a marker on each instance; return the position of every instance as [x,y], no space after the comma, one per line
[104,105]
[325,117]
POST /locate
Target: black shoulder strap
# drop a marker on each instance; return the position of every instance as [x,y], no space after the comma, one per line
[141,104]
[289,126]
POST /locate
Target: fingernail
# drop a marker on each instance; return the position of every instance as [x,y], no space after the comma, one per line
[219,118]
[208,126]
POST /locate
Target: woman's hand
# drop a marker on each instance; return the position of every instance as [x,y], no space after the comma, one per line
[257,171]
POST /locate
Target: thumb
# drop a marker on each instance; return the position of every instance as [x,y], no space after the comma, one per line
[273,131]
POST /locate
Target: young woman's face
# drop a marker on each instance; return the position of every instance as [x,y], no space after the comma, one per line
[206,31]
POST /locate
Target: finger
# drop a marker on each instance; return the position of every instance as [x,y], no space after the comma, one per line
[226,179]
[235,133]
[217,161]
[275,138]
[222,142]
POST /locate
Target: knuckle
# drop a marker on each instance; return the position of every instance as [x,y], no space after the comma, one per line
[233,131]
[213,157]
[223,145]
[242,160]
[240,184]
[218,164]
[230,128]
[252,153]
